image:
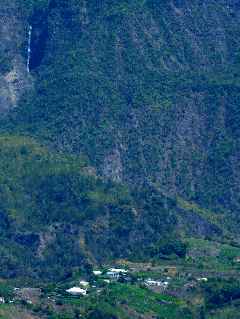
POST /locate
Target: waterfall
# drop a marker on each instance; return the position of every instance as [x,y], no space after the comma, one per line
[29,47]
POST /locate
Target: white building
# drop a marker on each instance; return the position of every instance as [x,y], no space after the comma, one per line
[118,270]
[84,283]
[156,283]
[77,291]
[115,273]
[97,272]
[204,279]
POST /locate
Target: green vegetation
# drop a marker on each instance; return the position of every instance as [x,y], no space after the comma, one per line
[212,255]
[167,247]
[220,292]
[40,191]
[5,65]
[144,301]
[122,301]
[127,147]
[47,196]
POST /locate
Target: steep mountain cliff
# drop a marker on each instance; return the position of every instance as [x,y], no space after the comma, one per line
[147,92]
[14,80]
[150,91]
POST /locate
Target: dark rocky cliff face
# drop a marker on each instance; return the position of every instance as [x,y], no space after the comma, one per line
[14,80]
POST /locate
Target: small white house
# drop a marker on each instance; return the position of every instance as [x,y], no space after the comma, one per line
[107,281]
[118,270]
[77,291]
[156,283]
[2,300]
[202,279]
[97,272]
[84,283]
[115,273]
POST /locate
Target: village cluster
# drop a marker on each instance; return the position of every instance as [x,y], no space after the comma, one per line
[83,287]
[100,278]
[114,274]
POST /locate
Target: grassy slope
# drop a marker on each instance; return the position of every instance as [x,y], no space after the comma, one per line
[55,211]
[40,189]
[129,301]
[13,312]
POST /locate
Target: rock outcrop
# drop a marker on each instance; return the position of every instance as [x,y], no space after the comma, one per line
[14,78]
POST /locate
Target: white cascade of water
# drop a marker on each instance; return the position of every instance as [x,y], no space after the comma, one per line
[29,47]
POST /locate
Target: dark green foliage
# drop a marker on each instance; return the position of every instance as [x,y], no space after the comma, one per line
[220,292]
[158,91]
[5,64]
[99,314]
[167,247]
[57,217]
[147,92]
[6,291]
